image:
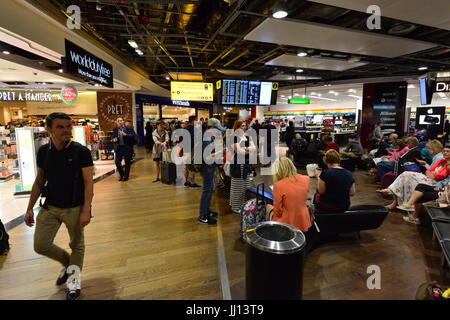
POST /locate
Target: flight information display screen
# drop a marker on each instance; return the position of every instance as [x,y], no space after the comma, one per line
[241,92]
[266,93]
[228,91]
[254,90]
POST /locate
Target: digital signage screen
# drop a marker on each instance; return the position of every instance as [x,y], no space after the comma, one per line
[266,93]
[228,91]
[241,92]
[254,90]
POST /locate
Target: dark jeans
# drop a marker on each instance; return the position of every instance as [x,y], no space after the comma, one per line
[385,167]
[207,173]
[127,153]
[429,194]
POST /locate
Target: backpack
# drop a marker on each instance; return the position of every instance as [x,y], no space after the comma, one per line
[4,240]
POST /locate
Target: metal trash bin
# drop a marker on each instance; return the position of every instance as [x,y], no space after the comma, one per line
[274,261]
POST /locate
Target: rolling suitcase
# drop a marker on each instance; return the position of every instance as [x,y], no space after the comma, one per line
[253,211]
[168,169]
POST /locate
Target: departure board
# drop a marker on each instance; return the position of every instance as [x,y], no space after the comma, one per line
[241,92]
[266,93]
[254,89]
[228,91]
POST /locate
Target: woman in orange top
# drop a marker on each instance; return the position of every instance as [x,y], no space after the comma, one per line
[290,192]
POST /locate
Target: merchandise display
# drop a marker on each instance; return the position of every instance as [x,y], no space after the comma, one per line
[8,154]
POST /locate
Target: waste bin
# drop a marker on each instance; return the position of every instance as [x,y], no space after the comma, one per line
[274,261]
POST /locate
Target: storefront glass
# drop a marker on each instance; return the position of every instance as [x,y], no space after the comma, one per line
[180,113]
[151,112]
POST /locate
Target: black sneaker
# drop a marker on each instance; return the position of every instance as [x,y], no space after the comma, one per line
[195,186]
[187,184]
[120,179]
[209,220]
[125,179]
[213,215]
[62,278]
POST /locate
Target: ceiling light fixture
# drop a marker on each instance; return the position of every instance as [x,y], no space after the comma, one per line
[353,96]
[422,68]
[279,11]
[133,44]
[139,52]
[167,78]
[6,52]
[302,54]
[299,70]
[60,70]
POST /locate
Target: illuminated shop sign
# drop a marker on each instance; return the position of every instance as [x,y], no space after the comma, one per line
[83,64]
[181,103]
[443,86]
[28,96]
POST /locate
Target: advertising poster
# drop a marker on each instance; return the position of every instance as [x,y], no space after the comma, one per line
[112,105]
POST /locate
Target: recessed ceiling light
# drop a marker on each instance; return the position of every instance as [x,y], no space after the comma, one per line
[279,11]
[139,52]
[299,70]
[60,70]
[423,68]
[302,54]
[319,94]
[133,43]
[6,52]
[167,78]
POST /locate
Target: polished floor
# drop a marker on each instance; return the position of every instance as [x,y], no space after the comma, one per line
[144,243]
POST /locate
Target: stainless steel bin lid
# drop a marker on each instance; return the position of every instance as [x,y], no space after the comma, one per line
[275,237]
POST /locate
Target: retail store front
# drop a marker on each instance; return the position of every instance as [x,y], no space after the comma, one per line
[151,109]
[22,133]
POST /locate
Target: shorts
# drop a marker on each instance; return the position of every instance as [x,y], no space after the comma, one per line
[429,194]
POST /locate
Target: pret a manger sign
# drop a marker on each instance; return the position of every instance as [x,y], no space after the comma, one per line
[83,64]
[28,96]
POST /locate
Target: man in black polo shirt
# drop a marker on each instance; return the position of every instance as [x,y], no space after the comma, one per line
[64,178]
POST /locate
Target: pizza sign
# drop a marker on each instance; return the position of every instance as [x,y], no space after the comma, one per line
[69,94]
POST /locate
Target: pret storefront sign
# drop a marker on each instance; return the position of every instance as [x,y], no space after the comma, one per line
[69,94]
[112,105]
[85,65]
[28,96]
[442,86]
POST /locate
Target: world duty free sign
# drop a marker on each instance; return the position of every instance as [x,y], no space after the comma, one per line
[85,65]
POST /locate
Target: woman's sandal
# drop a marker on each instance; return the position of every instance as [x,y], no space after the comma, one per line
[156,180]
[406,207]
[412,220]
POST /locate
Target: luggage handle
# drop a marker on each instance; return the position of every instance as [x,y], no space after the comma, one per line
[262,194]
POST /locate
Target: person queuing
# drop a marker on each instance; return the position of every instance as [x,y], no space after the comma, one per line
[123,137]
[161,141]
[240,172]
[148,137]
[207,216]
[335,185]
[189,171]
[64,178]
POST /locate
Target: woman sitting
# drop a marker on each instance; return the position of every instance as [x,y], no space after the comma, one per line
[434,148]
[423,193]
[335,185]
[403,187]
[290,193]
[399,150]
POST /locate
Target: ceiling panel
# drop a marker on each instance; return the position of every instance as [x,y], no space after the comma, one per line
[288,77]
[294,61]
[190,76]
[434,13]
[325,37]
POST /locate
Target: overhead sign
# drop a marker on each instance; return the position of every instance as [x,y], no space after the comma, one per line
[28,96]
[442,86]
[83,64]
[299,101]
[181,103]
[69,94]
[191,91]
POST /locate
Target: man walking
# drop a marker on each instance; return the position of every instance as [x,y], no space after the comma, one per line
[123,138]
[64,178]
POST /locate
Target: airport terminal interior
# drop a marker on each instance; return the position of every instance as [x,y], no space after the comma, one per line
[333,181]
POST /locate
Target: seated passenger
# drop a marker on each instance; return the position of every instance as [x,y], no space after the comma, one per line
[403,187]
[290,193]
[354,148]
[335,185]
[399,150]
[423,193]
[434,148]
[330,144]
[411,156]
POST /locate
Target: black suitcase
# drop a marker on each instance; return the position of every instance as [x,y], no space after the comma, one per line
[168,172]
